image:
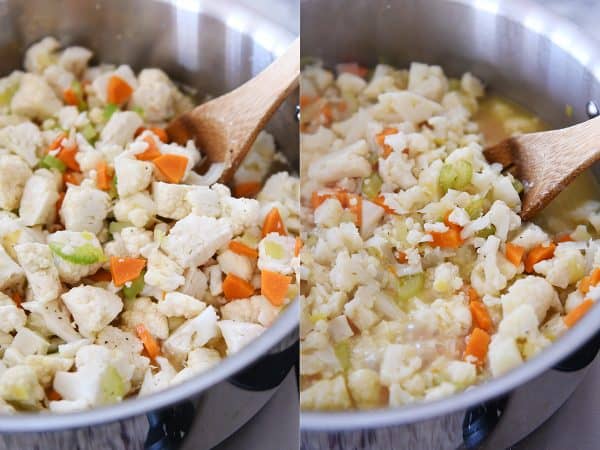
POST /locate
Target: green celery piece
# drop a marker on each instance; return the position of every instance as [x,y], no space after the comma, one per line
[112,386]
[409,286]
[135,288]
[371,186]
[517,185]
[113,193]
[109,110]
[475,208]
[455,176]
[83,255]
[487,231]
[52,162]
[117,227]
[7,95]
[343,353]
[89,133]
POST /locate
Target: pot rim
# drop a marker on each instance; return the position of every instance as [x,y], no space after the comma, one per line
[274,38]
[584,49]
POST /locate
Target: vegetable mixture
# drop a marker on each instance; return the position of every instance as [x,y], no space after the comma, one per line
[419,278]
[123,271]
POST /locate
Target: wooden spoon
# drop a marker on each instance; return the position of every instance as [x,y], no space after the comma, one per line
[225,128]
[546,162]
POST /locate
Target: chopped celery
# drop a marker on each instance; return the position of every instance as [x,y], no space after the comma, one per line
[138,110]
[487,231]
[134,288]
[371,186]
[82,255]
[52,162]
[517,185]
[112,386]
[455,176]
[117,227]
[315,317]
[89,133]
[409,286]
[109,110]
[342,351]
[274,250]
[475,208]
[113,193]
[7,94]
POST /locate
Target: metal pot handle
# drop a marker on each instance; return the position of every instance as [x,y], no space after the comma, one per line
[480,421]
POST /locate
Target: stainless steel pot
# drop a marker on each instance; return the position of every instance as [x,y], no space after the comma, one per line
[532,57]
[213,46]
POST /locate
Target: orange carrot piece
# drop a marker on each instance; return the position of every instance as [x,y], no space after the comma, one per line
[72,177]
[477,346]
[564,238]
[67,155]
[472,294]
[103,176]
[273,223]
[380,201]
[235,287]
[514,253]
[578,312]
[139,131]
[297,246]
[70,97]
[243,249]
[306,100]
[101,275]
[248,189]
[124,269]
[595,277]
[538,254]
[160,133]
[172,166]
[151,152]
[118,90]
[53,396]
[447,239]
[16,297]
[327,114]
[150,344]
[585,284]
[274,286]
[380,139]
[481,317]
[56,142]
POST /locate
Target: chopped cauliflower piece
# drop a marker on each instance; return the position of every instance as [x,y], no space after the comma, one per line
[40,270]
[93,308]
[84,209]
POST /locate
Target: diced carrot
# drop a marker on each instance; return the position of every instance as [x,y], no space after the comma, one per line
[101,275]
[235,287]
[103,176]
[380,201]
[514,253]
[352,68]
[53,396]
[139,131]
[297,246]
[564,238]
[327,113]
[274,286]
[380,139]
[595,277]
[16,297]
[150,344]
[67,155]
[585,284]
[306,100]
[538,254]
[59,202]
[160,133]
[578,312]
[481,317]
[172,166]
[401,257]
[472,294]
[124,269]
[70,97]
[354,205]
[248,189]
[273,223]
[72,177]
[56,142]
[477,347]
[447,239]
[118,90]
[151,153]
[243,249]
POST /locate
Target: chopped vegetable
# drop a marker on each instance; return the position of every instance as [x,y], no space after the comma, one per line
[70,97]
[53,396]
[67,156]
[83,255]
[112,386]
[380,139]
[371,186]
[380,201]
[514,253]
[72,177]
[160,133]
[352,68]
[477,346]
[564,238]
[103,176]
[50,162]
[591,280]
[343,354]
[148,340]
[172,166]
[486,232]
[273,223]
[538,254]
[297,246]
[274,286]
[136,286]
[243,249]
[109,110]
[248,189]
[57,142]
[151,152]
[481,317]
[306,100]
[16,297]
[125,269]
[447,239]
[408,286]
[274,250]
[117,227]
[472,294]
[578,312]
[101,275]
[89,133]
[455,176]
[475,208]
[517,185]
[118,90]
[235,287]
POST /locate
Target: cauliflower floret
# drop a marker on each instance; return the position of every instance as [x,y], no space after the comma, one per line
[19,384]
[138,209]
[370,217]
[399,362]
[70,349]
[275,253]
[92,308]
[143,310]
[534,291]
[28,342]
[171,199]
[407,106]
[194,239]
[329,213]
[128,344]
[196,282]
[154,96]
[428,81]
[58,79]
[163,272]
[442,390]
[11,318]
[55,317]
[154,382]
[242,212]
[134,239]
[14,173]
[365,388]
[46,366]
[396,171]
[120,129]
[34,99]
[10,272]
[40,55]
[132,175]
[461,373]
[203,201]
[23,140]
[256,309]
[239,265]
[521,322]
[339,329]
[176,304]
[531,236]
[71,243]
[41,273]
[202,359]
[486,276]
[565,268]
[74,59]
[447,278]
[38,203]
[326,395]
[238,334]
[192,334]
[503,355]
[100,83]
[84,209]
[348,162]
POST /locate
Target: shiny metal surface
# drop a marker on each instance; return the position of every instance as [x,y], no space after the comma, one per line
[211,45]
[523,52]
